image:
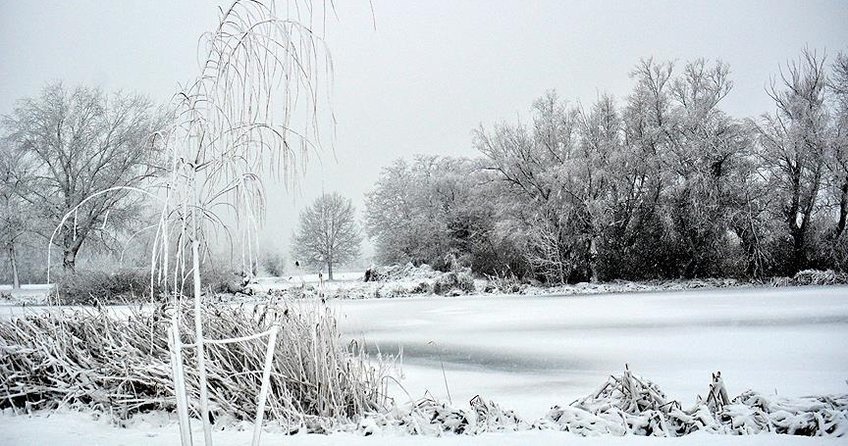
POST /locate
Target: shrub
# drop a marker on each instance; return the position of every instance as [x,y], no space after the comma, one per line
[91,287]
[222,280]
[274,264]
[454,283]
[818,277]
[132,285]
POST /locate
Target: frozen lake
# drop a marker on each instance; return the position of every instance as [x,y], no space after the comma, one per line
[530,352]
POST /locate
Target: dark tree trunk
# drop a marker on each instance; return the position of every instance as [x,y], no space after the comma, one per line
[69,260]
[843,210]
[330,269]
[799,252]
[13,259]
[72,245]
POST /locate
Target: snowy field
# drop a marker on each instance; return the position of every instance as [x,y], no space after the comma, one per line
[531,352]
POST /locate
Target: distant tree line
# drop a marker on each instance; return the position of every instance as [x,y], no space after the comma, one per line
[663,184]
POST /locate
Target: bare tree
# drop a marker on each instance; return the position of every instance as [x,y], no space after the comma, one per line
[793,142]
[80,143]
[838,155]
[542,169]
[13,226]
[328,233]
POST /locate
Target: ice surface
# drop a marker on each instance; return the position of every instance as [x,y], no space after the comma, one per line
[530,352]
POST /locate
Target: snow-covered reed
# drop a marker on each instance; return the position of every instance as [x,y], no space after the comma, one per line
[120,364]
[628,405]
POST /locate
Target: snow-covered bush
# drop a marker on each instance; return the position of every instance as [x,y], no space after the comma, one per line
[222,280]
[502,283]
[454,283]
[411,280]
[101,287]
[403,272]
[131,285]
[819,277]
[811,277]
[273,263]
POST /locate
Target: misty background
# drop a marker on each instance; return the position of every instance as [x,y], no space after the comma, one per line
[417,78]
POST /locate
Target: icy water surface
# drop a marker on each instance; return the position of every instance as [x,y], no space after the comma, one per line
[532,352]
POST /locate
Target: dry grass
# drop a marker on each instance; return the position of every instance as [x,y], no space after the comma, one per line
[119,364]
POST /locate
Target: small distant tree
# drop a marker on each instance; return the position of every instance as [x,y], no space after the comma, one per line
[327,232]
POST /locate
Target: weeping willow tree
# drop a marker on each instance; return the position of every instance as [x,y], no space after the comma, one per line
[256,110]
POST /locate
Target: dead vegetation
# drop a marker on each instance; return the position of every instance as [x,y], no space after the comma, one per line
[630,405]
[119,364]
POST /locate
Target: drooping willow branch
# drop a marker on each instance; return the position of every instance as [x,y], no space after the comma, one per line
[255,109]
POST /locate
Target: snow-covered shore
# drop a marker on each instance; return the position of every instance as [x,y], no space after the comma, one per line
[529,353]
[74,429]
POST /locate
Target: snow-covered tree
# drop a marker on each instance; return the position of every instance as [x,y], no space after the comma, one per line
[79,142]
[401,216]
[662,185]
[433,210]
[544,180]
[327,233]
[793,143]
[836,237]
[838,155]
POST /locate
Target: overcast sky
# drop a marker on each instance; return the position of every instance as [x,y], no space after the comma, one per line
[430,72]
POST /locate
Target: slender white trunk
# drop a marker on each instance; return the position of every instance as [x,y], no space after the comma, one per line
[266,384]
[176,347]
[198,320]
[201,354]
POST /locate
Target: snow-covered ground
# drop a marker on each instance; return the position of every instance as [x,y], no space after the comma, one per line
[530,352]
[74,429]
[25,295]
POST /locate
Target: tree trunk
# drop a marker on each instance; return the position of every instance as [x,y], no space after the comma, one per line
[843,210]
[799,252]
[13,259]
[330,269]
[69,260]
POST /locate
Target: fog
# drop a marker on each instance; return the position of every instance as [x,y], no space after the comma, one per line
[417,78]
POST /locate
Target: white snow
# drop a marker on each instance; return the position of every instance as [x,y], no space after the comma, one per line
[25,295]
[530,352]
[73,429]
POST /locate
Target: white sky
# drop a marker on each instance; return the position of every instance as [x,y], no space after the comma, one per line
[431,71]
